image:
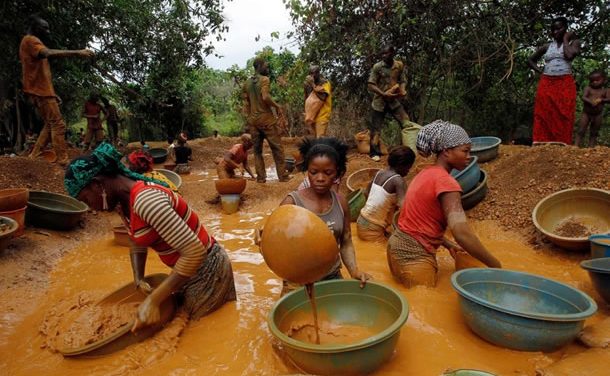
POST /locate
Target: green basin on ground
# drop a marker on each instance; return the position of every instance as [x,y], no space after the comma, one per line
[54,211]
[378,308]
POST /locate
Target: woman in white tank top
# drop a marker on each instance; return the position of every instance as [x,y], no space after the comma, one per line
[385,194]
[555,106]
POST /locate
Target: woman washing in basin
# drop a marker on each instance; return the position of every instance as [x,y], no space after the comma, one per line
[158,218]
[431,205]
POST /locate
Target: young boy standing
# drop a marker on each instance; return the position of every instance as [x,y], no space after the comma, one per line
[594,97]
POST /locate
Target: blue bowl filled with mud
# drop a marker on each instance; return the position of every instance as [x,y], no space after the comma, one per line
[469,177]
[599,272]
[486,148]
[521,311]
[600,245]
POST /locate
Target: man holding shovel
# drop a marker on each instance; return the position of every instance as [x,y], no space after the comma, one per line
[387,82]
[37,85]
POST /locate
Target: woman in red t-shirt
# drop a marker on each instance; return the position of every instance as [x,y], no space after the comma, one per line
[433,204]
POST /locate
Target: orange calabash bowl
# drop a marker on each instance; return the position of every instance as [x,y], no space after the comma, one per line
[233,186]
[297,245]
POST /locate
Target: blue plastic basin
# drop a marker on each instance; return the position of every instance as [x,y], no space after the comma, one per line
[600,245]
[521,311]
[599,272]
[486,148]
[469,176]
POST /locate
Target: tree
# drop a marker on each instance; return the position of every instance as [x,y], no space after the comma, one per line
[464,58]
[149,45]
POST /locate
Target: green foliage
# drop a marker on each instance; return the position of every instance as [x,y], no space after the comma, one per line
[466,61]
[152,46]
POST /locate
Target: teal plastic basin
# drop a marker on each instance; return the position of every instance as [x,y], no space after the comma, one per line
[600,245]
[599,272]
[521,311]
[486,148]
[469,176]
[379,307]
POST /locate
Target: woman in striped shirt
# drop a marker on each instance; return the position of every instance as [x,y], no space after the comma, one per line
[158,218]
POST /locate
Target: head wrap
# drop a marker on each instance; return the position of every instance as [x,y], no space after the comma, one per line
[440,135]
[140,161]
[106,160]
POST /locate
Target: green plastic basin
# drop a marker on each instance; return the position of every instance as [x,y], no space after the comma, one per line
[380,308]
[54,211]
[355,201]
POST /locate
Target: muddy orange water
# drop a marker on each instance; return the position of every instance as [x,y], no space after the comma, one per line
[235,340]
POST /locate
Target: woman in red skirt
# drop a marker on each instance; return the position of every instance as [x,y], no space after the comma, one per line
[555,106]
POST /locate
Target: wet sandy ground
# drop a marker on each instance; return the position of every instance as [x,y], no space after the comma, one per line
[235,340]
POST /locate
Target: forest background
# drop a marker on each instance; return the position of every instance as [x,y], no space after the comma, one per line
[465,60]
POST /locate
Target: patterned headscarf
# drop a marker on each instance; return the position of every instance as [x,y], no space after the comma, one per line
[440,135]
[105,159]
[140,161]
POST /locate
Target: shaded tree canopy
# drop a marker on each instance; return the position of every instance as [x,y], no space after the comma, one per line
[457,52]
[149,45]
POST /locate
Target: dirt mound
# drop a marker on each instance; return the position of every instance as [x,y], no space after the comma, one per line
[522,176]
[22,172]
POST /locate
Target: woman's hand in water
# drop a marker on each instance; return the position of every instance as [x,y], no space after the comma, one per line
[148,314]
[362,276]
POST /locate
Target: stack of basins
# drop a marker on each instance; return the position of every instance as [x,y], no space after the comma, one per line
[473,181]
[599,265]
[13,203]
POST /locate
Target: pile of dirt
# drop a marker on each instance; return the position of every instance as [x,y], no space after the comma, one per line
[521,176]
[22,172]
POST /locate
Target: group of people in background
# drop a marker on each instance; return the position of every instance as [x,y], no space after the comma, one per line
[158,217]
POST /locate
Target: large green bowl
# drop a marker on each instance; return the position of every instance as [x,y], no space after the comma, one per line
[54,211]
[379,307]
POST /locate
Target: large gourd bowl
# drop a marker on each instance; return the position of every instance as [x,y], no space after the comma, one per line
[231,186]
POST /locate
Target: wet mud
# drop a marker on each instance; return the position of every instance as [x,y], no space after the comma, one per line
[235,339]
[41,274]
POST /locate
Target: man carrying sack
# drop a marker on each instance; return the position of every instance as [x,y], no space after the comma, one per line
[318,102]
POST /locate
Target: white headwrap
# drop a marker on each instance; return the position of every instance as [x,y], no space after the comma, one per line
[440,135]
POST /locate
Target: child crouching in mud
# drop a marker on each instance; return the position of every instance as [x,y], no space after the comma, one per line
[433,203]
[385,195]
[234,157]
[325,159]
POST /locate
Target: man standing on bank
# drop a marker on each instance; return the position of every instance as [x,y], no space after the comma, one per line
[37,85]
[262,122]
[387,82]
[318,102]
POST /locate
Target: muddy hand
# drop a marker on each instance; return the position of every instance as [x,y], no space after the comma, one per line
[363,277]
[144,287]
[148,314]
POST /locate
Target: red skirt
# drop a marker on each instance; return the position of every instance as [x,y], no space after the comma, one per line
[555,109]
